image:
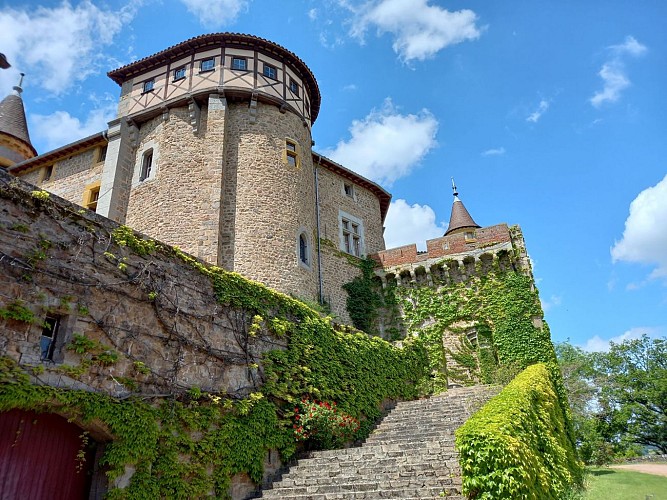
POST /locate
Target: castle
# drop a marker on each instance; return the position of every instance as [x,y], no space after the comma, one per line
[157,374]
[211,151]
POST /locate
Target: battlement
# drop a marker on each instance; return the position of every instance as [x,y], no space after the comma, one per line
[455,257]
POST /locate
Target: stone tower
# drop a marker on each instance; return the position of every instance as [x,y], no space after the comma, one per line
[15,145]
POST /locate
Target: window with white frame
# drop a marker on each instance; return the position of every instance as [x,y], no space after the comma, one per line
[179,73]
[239,63]
[351,235]
[270,71]
[146,165]
[207,65]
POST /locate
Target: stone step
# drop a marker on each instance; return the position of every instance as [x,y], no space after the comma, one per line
[388,468]
[390,489]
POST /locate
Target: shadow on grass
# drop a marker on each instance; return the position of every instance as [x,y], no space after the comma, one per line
[601,472]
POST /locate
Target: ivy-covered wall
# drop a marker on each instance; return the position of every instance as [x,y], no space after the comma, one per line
[191,373]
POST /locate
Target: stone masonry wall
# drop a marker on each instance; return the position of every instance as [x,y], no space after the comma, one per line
[337,268]
[154,309]
[70,176]
[267,203]
[180,202]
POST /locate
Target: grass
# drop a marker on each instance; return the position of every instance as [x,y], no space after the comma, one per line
[615,484]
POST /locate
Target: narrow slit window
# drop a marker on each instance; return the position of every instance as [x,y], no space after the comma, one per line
[291,152]
[48,173]
[102,154]
[146,165]
[303,249]
[47,342]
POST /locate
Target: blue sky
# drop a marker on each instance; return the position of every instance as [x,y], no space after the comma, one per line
[550,115]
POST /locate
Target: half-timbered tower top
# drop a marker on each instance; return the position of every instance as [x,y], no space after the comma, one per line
[237,65]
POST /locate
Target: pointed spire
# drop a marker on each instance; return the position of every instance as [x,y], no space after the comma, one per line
[13,123]
[460,217]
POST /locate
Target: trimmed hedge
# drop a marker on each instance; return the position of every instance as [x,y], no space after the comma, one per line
[517,446]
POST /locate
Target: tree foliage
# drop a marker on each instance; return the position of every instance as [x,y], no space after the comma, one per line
[618,398]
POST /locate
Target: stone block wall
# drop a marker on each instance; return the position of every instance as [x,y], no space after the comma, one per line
[153,310]
[267,202]
[179,203]
[70,176]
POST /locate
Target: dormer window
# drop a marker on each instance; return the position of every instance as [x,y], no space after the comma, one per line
[149,85]
[469,235]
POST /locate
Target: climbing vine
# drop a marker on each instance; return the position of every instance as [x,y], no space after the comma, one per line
[363,299]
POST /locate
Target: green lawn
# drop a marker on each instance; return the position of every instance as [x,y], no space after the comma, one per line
[615,484]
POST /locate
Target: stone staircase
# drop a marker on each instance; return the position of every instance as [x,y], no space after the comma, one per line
[409,455]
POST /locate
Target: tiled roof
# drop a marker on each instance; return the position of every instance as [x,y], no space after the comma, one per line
[12,119]
[460,217]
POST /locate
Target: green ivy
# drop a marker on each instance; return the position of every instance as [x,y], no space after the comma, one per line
[363,299]
[517,446]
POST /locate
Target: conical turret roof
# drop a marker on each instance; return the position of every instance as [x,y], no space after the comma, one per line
[460,217]
[12,117]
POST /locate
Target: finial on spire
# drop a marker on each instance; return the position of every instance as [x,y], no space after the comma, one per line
[454,188]
[19,88]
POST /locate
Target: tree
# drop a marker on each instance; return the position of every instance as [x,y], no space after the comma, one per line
[618,399]
[636,389]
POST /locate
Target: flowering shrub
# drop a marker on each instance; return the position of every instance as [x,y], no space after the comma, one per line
[323,424]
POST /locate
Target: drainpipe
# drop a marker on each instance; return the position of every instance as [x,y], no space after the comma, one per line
[317,213]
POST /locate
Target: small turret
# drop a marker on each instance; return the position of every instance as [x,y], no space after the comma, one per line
[15,145]
[460,218]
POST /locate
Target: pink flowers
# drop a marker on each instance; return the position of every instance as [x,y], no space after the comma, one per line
[323,424]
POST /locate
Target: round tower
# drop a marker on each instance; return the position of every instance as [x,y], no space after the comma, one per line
[15,145]
[211,151]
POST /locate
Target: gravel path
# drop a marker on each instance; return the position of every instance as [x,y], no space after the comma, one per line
[657,469]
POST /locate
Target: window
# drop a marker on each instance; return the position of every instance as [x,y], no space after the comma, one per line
[207,65]
[270,71]
[101,154]
[348,189]
[351,234]
[149,85]
[293,86]
[239,63]
[146,165]
[47,343]
[469,235]
[179,74]
[445,245]
[291,153]
[91,196]
[48,173]
[303,249]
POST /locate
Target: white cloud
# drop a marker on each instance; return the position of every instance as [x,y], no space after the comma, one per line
[60,46]
[215,13]
[598,344]
[350,87]
[60,128]
[386,145]
[613,72]
[312,14]
[420,30]
[494,152]
[630,46]
[644,238]
[537,114]
[553,301]
[407,224]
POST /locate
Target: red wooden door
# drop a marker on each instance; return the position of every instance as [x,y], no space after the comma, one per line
[39,458]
